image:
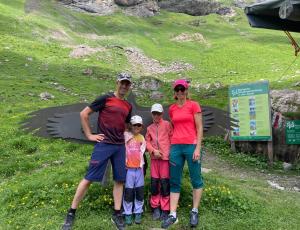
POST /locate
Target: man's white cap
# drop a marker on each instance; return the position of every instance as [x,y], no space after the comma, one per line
[157,108]
[136,120]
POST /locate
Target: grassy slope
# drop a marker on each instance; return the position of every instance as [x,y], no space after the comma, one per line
[38,176]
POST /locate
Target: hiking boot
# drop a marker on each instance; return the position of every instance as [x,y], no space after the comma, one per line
[194,218]
[128,219]
[138,218]
[156,214]
[69,221]
[118,220]
[169,221]
[164,215]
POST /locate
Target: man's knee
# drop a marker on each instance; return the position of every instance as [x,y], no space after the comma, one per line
[84,183]
[154,186]
[165,187]
[118,184]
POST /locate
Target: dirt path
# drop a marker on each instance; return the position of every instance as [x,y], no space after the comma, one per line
[277,181]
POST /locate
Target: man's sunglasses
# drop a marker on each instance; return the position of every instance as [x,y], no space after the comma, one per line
[137,125]
[179,88]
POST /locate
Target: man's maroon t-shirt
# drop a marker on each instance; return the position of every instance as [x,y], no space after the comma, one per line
[113,114]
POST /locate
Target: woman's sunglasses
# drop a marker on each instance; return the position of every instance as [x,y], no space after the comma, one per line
[179,88]
[137,125]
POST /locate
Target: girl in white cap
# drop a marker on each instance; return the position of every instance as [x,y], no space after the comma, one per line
[135,144]
[158,138]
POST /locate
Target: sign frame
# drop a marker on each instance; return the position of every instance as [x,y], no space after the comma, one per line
[247,93]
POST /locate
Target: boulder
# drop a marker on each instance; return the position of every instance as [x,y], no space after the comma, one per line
[146,8]
[285,100]
[191,7]
[128,2]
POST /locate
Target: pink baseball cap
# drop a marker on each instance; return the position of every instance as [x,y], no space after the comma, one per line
[182,82]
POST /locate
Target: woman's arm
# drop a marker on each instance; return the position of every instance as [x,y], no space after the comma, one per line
[199,130]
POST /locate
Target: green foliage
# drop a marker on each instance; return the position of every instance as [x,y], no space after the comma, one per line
[222,199]
[218,146]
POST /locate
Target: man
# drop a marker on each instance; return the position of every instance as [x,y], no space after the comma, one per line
[114,113]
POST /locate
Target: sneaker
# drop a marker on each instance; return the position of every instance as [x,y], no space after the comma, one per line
[169,221]
[138,218]
[164,215]
[69,221]
[156,214]
[128,219]
[194,219]
[118,220]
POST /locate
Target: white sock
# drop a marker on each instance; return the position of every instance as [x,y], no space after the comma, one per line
[173,214]
[195,210]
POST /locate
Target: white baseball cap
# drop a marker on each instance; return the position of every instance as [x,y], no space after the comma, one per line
[157,108]
[136,120]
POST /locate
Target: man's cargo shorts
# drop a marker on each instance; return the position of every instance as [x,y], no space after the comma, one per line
[99,159]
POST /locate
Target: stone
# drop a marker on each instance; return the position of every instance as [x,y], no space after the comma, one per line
[88,72]
[62,88]
[275,185]
[224,11]
[156,95]
[297,84]
[146,8]
[191,7]
[205,170]
[296,189]
[218,85]
[285,100]
[287,166]
[128,2]
[150,84]
[46,96]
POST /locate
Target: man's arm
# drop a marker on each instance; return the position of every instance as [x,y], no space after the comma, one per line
[85,123]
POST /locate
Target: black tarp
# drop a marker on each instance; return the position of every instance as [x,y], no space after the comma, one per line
[275,14]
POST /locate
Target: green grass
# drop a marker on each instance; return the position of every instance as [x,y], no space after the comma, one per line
[39,176]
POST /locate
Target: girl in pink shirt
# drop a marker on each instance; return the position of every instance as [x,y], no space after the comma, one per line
[158,144]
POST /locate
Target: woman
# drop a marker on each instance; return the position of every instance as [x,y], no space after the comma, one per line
[186,119]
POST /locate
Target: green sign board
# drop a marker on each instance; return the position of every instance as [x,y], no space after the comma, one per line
[292,132]
[250,110]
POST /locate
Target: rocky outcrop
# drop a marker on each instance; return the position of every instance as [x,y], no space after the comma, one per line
[191,7]
[141,8]
[146,8]
[285,100]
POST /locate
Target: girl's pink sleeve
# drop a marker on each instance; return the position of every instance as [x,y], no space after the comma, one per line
[148,142]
